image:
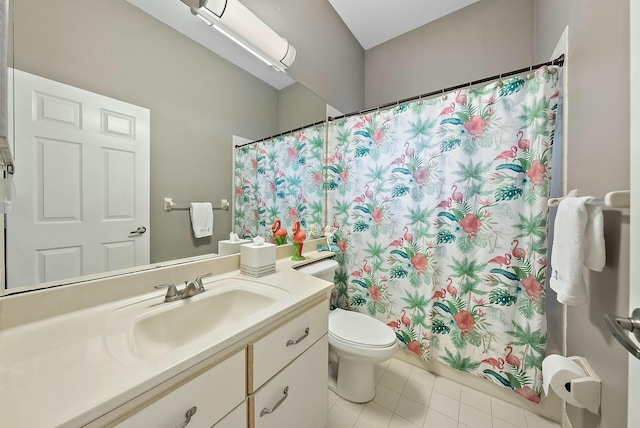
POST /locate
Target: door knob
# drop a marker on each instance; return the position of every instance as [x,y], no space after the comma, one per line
[139,231]
[619,326]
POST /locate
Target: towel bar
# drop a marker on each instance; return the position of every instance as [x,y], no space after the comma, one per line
[613,200]
[169,205]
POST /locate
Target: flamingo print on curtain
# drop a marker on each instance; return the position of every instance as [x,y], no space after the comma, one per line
[441,210]
[280,178]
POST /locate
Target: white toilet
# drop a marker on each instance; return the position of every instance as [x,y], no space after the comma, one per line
[356,342]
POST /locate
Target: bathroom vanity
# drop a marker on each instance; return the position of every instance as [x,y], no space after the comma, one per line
[291,358]
[245,353]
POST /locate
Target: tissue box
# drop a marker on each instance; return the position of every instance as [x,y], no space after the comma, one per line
[228,246]
[257,272]
[256,257]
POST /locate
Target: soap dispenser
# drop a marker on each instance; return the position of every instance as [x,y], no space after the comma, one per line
[298,241]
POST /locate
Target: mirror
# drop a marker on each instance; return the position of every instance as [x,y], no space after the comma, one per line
[197,102]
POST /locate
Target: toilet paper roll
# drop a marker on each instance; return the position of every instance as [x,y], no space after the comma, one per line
[557,373]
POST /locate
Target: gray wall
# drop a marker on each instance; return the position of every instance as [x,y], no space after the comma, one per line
[197,100]
[598,162]
[481,40]
[330,61]
[298,107]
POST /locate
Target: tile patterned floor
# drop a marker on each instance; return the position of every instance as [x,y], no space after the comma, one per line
[410,397]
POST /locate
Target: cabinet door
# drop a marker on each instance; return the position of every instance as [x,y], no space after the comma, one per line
[305,402]
[277,349]
[236,419]
[214,394]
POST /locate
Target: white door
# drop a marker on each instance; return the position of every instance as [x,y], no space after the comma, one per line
[633,418]
[82,183]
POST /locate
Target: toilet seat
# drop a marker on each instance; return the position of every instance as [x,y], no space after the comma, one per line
[360,330]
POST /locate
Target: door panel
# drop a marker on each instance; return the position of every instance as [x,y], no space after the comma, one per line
[119,179]
[59,188]
[82,183]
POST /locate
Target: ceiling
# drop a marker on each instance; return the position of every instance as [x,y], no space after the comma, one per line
[376,21]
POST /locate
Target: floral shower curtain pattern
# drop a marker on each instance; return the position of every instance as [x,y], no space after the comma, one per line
[280,178]
[441,210]
[245,185]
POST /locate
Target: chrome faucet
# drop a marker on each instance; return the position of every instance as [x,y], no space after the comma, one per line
[190,289]
[194,287]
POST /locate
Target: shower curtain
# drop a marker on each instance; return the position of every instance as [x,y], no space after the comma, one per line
[280,178]
[441,211]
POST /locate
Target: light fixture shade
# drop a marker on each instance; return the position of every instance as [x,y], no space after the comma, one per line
[241,25]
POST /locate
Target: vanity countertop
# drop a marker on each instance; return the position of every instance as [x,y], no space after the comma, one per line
[60,371]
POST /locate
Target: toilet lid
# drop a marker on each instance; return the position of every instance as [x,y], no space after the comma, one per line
[361,329]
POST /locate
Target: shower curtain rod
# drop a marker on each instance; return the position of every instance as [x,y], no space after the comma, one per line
[280,134]
[558,61]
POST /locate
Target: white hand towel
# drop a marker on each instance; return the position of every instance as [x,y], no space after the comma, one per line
[201,218]
[578,243]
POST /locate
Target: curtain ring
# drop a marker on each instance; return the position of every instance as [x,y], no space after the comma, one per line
[530,76]
[445,96]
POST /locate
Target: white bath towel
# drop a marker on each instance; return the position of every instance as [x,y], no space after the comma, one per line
[578,243]
[201,218]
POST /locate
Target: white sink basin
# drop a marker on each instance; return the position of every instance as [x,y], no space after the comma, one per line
[153,329]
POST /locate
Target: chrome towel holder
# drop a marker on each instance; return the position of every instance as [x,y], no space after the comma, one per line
[169,205]
[620,199]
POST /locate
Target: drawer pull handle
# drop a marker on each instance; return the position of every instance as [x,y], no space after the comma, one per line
[188,415]
[266,411]
[300,339]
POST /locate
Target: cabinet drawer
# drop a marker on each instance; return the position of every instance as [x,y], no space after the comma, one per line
[236,419]
[214,394]
[305,404]
[277,349]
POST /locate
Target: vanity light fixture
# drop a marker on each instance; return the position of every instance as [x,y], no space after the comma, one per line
[239,24]
[236,40]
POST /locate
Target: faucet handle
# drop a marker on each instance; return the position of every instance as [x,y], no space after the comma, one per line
[172,291]
[198,279]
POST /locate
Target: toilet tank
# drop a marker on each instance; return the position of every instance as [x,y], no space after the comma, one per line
[324,269]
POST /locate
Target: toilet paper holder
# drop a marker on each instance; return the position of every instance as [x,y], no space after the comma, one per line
[586,390]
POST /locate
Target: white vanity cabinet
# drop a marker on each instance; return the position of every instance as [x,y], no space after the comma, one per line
[278,378]
[214,393]
[236,419]
[288,373]
[297,396]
